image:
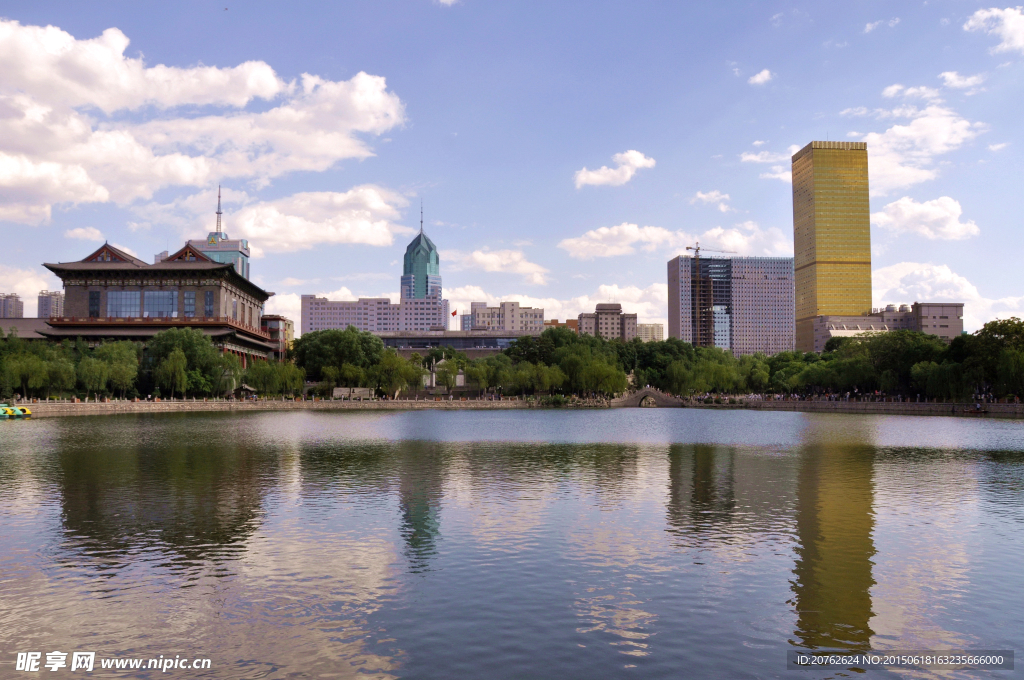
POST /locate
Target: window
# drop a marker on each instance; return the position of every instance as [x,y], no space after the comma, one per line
[208,303]
[190,303]
[94,304]
[160,303]
[124,303]
[234,310]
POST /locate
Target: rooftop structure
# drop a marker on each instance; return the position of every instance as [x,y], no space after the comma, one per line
[219,248]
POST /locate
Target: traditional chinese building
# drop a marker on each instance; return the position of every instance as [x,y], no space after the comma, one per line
[111,295]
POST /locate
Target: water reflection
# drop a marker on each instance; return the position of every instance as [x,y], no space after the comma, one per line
[421,470]
[834,556]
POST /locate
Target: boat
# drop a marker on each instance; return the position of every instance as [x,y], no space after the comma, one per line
[9,412]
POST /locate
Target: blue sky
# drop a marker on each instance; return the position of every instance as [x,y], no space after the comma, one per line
[563,151]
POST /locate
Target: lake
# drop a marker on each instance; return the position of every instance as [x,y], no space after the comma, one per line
[627,543]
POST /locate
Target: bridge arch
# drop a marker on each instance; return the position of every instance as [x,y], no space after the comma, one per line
[633,399]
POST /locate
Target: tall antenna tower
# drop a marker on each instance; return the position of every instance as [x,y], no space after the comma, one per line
[421,215]
[219,213]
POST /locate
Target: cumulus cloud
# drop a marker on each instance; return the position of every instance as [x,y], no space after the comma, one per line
[715,197]
[761,77]
[365,215]
[997,147]
[27,283]
[875,24]
[1007,24]
[778,172]
[82,123]
[908,282]
[84,234]
[959,82]
[650,303]
[759,142]
[936,219]
[506,261]
[768,156]
[627,163]
[746,238]
[904,154]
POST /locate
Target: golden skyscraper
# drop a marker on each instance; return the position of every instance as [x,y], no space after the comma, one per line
[831,234]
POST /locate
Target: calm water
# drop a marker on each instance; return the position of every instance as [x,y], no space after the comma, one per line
[636,543]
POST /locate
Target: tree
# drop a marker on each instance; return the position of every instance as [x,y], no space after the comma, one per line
[392,373]
[445,375]
[172,372]
[122,358]
[293,378]
[92,374]
[263,376]
[317,349]
[60,374]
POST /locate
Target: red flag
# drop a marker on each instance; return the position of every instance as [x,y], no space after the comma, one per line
[455,312]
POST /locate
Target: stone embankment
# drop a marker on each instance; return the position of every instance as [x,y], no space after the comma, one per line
[44,410]
[894,408]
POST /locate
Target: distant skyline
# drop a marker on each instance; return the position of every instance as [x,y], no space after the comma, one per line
[563,152]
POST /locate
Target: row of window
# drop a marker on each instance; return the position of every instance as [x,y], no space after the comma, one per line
[130,304]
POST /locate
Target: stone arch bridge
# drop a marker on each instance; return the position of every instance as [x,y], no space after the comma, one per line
[633,399]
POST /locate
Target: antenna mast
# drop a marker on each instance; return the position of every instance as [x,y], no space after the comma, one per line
[421,215]
[219,213]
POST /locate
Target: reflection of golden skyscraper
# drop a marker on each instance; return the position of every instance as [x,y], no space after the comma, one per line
[833,571]
[831,234]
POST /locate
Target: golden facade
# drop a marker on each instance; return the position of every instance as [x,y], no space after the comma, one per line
[831,234]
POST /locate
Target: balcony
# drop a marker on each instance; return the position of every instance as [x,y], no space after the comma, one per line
[159,321]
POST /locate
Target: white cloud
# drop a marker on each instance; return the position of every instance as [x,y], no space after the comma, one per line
[65,136]
[921,92]
[778,172]
[761,77]
[997,147]
[650,304]
[746,238]
[959,82]
[627,164]
[84,233]
[716,197]
[875,24]
[903,155]
[27,283]
[126,249]
[447,3]
[759,143]
[1007,24]
[505,261]
[366,215]
[768,156]
[908,282]
[936,219]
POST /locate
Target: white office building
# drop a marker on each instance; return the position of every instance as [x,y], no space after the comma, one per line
[507,316]
[747,303]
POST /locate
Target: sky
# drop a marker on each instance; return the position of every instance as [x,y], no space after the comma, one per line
[562,152]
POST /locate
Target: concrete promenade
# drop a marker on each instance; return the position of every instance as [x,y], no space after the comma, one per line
[44,410]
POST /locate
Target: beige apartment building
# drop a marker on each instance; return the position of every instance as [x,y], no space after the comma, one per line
[507,316]
[942,319]
[608,322]
[650,332]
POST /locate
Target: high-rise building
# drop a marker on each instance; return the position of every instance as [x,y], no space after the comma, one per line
[414,312]
[743,304]
[650,332]
[507,316]
[421,268]
[219,248]
[51,303]
[608,322]
[831,234]
[11,306]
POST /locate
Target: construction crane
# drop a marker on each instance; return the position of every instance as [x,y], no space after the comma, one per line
[703,319]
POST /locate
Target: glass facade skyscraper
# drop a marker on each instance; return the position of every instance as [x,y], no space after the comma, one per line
[831,234]
[421,271]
